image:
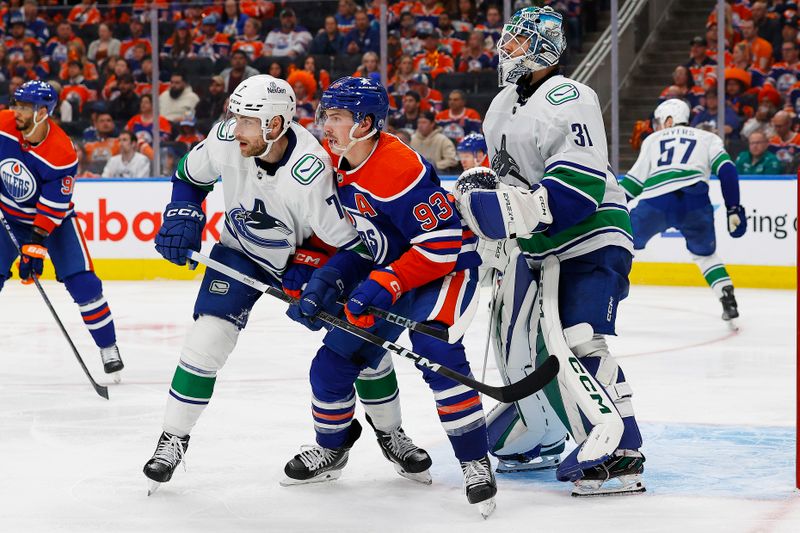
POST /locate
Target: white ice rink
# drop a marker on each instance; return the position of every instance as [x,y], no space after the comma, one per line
[717,411]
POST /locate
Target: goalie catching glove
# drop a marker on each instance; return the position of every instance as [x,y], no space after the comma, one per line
[494,210]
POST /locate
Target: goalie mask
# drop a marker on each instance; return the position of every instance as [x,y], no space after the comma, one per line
[533,39]
[263,97]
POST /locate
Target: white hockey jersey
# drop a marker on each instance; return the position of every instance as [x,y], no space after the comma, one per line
[557,138]
[674,158]
[268,216]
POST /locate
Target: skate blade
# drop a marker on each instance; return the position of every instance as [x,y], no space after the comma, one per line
[585,489]
[421,477]
[487,507]
[152,487]
[117,377]
[732,324]
[543,464]
[322,478]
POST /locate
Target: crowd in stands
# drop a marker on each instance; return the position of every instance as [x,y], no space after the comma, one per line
[100,58]
[762,84]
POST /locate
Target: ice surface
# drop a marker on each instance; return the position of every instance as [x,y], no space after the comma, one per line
[717,412]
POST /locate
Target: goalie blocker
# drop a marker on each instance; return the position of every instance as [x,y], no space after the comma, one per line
[590,399]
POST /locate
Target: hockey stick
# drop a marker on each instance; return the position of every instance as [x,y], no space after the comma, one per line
[507,394]
[431,331]
[491,322]
[100,389]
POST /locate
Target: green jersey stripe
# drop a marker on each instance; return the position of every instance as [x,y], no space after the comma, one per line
[587,184]
[631,186]
[718,161]
[191,385]
[672,175]
[183,175]
[603,219]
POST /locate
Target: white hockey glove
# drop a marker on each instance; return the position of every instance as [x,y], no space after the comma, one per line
[502,211]
[494,257]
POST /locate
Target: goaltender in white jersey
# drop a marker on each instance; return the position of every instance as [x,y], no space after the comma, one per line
[282,221]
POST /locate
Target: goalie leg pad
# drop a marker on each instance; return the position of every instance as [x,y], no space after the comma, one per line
[205,350]
[377,389]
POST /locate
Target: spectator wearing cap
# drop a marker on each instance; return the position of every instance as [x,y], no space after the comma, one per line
[706,118]
[785,74]
[56,49]
[370,64]
[250,41]
[17,38]
[125,102]
[430,99]
[433,60]
[492,27]
[769,102]
[458,120]
[128,163]
[737,84]
[785,144]
[104,46]
[711,39]
[451,41]
[212,105]
[345,16]
[35,26]
[238,71]
[408,34]
[757,159]
[406,117]
[305,87]
[179,100]
[210,44]
[329,41]
[188,132]
[701,67]
[432,144]
[363,37]
[683,85]
[474,58]
[136,28]
[790,31]
[760,47]
[232,20]
[289,40]
[427,11]
[180,44]
[84,14]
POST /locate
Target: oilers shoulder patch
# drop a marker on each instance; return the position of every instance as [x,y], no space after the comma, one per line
[307,168]
[224,130]
[562,93]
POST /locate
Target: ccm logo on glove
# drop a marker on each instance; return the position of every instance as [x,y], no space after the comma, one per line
[185,212]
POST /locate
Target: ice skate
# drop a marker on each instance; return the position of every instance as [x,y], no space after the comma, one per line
[521,463]
[315,464]
[480,485]
[408,459]
[730,310]
[112,362]
[168,455]
[620,474]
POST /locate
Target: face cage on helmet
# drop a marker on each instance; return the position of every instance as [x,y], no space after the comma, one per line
[512,67]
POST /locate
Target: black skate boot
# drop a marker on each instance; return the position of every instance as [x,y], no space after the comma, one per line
[480,485]
[730,309]
[315,464]
[619,474]
[168,455]
[410,461]
[112,362]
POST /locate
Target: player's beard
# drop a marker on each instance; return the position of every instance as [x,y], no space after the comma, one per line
[253,149]
[26,125]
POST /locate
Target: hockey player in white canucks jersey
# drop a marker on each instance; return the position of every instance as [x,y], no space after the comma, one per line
[281,221]
[560,201]
[670,178]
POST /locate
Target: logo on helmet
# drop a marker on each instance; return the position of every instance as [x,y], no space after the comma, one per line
[273,88]
[18,180]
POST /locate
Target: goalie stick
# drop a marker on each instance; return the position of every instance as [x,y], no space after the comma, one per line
[99,389]
[528,385]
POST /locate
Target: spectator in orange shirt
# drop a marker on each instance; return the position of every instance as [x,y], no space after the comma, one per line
[458,120]
[785,144]
[144,81]
[687,90]
[449,38]
[250,42]
[84,14]
[427,10]
[433,60]
[701,67]
[370,63]
[321,76]
[711,38]
[189,134]
[760,48]
[136,28]
[31,66]
[105,145]
[430,99]
[260,9]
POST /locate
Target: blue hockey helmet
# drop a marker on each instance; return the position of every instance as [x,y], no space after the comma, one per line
[472,143]
[532,39]
[38,93]
[361,96]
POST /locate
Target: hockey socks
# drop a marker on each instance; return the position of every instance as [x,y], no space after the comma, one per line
[714,272]
[87,291]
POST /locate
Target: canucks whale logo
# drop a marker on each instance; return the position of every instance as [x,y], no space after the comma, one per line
[254,226]
[504,165]
[18,182]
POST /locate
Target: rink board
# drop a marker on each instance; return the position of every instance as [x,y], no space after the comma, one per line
[121,217]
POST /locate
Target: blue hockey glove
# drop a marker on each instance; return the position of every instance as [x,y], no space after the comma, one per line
[181,231]
[737,221]
[382,289]
[31,261]
[323,288]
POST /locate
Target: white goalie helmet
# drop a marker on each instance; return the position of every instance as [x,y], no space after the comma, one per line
[532,39]
[264,97]
[675,108]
